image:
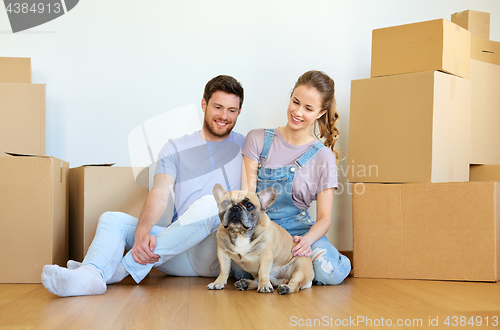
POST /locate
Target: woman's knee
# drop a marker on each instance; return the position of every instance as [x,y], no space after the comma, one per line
[328,269]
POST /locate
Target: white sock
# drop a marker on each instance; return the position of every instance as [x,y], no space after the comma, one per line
[83,281]
[71,264]
[120,274]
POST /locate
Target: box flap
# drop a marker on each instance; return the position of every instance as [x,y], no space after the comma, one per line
[110,164]
[15,154]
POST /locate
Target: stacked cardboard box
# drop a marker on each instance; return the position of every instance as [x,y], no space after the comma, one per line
[33,187]
[410,140]
[39,223]
[22,109]
[410,122]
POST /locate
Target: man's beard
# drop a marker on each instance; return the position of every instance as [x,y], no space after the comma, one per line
[212,129]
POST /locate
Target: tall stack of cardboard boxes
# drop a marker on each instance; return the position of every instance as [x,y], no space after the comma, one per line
[39,224]
[33,187]
[415,213]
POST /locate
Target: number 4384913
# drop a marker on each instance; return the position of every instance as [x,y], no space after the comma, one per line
[477,321]
[36,8]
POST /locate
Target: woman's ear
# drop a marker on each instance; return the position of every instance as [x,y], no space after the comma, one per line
[321,114]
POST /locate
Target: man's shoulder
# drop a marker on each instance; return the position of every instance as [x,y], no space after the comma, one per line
[174,145]
[186,140]
[238,138]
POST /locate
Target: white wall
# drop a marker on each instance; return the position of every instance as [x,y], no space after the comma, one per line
[110,65]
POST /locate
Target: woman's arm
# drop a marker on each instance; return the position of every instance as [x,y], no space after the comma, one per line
[249,175]
[324,205]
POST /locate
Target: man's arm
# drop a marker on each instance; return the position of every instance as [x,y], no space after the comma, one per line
[154,207]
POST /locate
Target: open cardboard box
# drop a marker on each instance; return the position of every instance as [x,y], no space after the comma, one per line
[34,216]
[95,189]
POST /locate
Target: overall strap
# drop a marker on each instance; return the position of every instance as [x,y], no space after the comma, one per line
[309,154]
[268,139]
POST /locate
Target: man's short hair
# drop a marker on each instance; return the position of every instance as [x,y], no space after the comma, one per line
[225,84]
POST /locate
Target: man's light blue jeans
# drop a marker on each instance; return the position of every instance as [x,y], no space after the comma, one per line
[187,247]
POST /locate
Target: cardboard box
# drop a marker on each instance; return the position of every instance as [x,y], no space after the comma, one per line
[95,189]
[438,45]
[22,118]
[485,50]
[485,109]
[485,173]
[34,216]
[409,128]
[444,231]
[477,22]
[15,70]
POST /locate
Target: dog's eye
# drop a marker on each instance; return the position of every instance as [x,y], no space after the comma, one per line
[225,204]
[249,206]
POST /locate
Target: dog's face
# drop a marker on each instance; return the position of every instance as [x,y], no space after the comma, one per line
[240,211]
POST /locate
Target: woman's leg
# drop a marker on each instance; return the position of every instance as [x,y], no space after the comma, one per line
[330,267]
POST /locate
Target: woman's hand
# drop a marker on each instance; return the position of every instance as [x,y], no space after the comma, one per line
[303,247]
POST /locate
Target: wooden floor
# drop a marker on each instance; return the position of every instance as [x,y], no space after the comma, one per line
[162,302]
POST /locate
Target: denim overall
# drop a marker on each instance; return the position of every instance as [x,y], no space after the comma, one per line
[330,267]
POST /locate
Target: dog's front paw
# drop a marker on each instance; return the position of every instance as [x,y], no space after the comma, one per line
[242,285]
[283,289]
[216,286]
[265,288]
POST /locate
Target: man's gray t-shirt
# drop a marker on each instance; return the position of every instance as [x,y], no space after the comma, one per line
[320,172]
[197,165]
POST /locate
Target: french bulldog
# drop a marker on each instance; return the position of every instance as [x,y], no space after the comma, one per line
[257,244]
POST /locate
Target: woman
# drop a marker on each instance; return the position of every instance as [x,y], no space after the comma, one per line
[302,169]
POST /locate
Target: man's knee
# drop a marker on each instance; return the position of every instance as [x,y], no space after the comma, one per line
[116,219]
[208,204]
[203,211]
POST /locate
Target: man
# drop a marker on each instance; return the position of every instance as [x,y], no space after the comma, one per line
[190,166]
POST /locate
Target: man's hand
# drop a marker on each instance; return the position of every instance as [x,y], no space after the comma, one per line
[303,247]
[142,251]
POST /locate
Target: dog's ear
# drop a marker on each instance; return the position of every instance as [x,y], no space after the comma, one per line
[219,191]
[266,198]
